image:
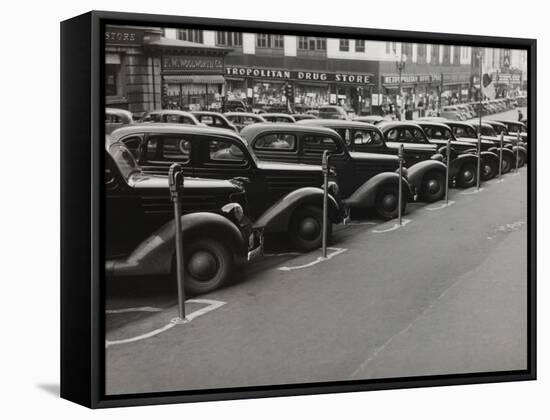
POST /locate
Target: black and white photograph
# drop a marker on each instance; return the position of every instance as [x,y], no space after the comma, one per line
[293,209]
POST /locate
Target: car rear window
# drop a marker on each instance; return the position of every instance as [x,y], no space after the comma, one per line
[276,141]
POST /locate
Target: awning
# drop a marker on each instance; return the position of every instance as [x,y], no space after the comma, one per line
[204,79]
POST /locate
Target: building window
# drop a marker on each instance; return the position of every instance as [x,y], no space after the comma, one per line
[456,55]
[312,43]
[229,39]
[434,56]
[270,41]
[360,45]
[111,79]
[446,54]
[406,51]
[344,45]
[421,53]
[191,35]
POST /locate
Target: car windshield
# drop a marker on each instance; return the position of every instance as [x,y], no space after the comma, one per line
[124,160]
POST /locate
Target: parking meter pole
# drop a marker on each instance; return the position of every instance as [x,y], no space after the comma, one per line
[400,188]
[325,200]
[175,180]
[447,171]
[517,152]
[500,155]
[478,176]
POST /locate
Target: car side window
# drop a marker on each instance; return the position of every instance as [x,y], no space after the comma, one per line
[392,135]
[318,144]
[168,148]
[223,151]
[362,137]
[249,120]
[276,141]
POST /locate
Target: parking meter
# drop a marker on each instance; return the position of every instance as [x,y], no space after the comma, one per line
[400,154]
[326,169]
[175,181]
[479,159]
[517,151]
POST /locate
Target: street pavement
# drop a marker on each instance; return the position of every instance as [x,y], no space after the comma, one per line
[444,293]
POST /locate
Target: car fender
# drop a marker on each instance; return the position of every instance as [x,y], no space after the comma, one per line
[277,217]
[488,156]
[459,161]
[365,195]
[418,170]
[156,253]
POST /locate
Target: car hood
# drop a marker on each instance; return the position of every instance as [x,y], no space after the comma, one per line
[395,145]
[284,166]
[374,156]
[142,181]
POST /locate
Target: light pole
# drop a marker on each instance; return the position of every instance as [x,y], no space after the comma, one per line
[399,67]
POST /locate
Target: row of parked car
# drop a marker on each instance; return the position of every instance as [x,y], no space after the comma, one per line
[243,184]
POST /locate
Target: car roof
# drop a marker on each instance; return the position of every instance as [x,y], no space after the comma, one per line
[118,111]
[276,114]
[464,123]
[510,122]
[392,124]
[324,122]
[242,114]
[253,130]
[476,123]
[206,113]
[433,123]
[497,123]
[170,111]
[170,128]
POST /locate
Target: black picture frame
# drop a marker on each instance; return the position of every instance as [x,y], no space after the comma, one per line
[82,262]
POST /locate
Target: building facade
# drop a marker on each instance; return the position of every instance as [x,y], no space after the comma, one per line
[192,69]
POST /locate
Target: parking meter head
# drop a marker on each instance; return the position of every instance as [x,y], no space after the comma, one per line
[175,179]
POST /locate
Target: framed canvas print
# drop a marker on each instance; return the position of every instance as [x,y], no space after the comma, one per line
[255,209]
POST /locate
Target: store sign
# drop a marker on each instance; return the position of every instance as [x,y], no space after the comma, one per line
[509,78]
[123,36]
[393,79]
[192,64]
[313,76]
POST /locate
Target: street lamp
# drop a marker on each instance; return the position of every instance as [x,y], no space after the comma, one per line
[399,67]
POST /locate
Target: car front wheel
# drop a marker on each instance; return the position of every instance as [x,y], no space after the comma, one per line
[386,205]
[433,187]
[489,170]
[306,228]
[466,177]
[208,265]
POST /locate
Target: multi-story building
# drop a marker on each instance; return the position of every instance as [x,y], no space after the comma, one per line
[190,68]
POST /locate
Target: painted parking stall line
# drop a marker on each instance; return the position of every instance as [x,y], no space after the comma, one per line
[475,191]
[441,206]
[211,306]
[334,253]
[395,226]
[138,309]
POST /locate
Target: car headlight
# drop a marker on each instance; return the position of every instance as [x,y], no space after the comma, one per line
[235,210]
[333,189]
[404,172]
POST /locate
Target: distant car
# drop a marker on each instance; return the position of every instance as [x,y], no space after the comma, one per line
[513,127]
[170,116]
[278,118]
[282,198]
[237,105]
[365,181]
[116,118]
[418,148]
[214,119]
[243,119]
[333,112]
[452,113]
[366,146]
[370,119]
[300,117]
[439,133]
[139,225]
[464,131]
[488,132]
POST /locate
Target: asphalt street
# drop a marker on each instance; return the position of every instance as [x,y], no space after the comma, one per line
[444,293]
